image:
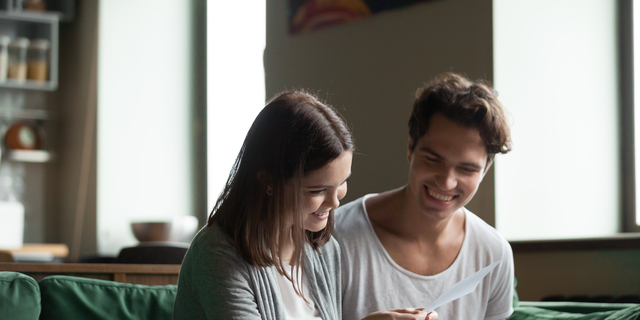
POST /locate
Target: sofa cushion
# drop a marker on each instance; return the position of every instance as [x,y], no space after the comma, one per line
[537,313]
[19,296]
[577,307]
[71,298]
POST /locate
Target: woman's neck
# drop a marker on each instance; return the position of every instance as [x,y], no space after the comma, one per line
[286,250]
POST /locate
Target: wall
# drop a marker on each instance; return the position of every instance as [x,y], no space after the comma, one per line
[370,69]
[71,102]
[577,272]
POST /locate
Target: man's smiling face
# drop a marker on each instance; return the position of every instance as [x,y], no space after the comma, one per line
[446,167]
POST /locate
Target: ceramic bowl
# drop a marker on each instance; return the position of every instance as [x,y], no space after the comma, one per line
[179,229]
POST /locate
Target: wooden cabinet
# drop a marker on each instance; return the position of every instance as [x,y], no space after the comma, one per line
[148,274]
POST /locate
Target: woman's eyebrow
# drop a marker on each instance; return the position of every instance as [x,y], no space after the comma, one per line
[327,185]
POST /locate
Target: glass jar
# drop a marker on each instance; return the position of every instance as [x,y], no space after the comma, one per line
[37,60]
[18,59]
[35,5]
[4,57]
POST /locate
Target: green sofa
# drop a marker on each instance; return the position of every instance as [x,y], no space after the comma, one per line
[75,298]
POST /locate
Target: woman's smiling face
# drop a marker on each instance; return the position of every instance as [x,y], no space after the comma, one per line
[323,189]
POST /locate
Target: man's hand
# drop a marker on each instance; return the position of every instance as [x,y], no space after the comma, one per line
[403,314]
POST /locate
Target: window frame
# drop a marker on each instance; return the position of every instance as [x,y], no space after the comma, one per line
[627,131]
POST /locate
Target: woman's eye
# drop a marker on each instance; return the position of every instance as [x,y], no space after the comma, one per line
[317,191]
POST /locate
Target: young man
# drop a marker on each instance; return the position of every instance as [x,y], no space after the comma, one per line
[405,247]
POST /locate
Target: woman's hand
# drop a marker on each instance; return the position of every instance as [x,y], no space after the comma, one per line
[402,314]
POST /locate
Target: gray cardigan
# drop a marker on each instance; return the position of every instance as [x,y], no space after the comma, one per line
[215,282]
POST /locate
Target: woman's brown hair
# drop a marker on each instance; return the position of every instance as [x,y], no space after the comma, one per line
[293,135]
[471,104]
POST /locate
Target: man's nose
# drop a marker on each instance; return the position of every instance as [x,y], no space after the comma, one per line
[446,179]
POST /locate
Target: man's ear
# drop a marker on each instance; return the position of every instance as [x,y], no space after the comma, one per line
[409,149]
[487,167]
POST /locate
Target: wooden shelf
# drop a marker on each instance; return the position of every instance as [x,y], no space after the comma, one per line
[148,274]
[24,114]
[34,156]
[58,250]
[29,85]
[30,16]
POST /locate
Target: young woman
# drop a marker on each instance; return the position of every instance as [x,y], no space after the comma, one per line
[267,250]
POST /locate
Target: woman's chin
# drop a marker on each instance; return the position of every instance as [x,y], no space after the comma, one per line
[316,227]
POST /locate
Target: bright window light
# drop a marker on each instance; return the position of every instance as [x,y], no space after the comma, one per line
[556,73]
[236,35]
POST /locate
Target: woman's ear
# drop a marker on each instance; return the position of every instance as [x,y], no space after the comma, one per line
[265,180]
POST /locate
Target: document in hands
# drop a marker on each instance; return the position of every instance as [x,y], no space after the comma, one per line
[463,287]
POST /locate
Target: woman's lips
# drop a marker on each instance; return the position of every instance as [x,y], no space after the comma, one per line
[321,215]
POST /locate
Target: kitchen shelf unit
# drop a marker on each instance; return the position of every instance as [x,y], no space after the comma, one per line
[33,25]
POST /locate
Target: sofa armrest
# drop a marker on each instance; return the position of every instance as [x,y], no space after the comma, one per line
[19,296]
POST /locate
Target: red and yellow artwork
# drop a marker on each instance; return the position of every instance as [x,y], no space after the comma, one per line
[311,15]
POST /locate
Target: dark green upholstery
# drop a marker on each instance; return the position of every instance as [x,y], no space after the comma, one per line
[19,296]
[74,298]
[547,310]
[524,312]
[577,307]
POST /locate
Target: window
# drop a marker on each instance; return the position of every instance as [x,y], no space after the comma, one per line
[236,37]
[556,70]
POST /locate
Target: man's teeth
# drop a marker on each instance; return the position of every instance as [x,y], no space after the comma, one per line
[439,196]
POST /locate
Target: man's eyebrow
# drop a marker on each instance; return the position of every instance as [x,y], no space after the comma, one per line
[435,154]
[471,164]
[327,185]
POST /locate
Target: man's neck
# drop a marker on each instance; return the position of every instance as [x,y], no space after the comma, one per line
[415,241]
[398,212]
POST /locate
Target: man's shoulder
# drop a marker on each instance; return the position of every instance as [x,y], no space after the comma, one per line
[351,218]
[350,210]
[483,233]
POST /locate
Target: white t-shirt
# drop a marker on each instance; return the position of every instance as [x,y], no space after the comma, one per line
[372,281]
[294,306]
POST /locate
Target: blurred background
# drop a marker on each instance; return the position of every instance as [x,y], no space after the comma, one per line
[145,104]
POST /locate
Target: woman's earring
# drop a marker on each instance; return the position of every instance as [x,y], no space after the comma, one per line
[270,191]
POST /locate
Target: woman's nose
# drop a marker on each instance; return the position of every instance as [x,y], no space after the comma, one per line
[333,199]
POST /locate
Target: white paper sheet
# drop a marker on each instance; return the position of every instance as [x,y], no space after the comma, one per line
[463,287]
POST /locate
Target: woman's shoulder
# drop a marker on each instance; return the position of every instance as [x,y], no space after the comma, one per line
[211,235]
[214,245]
[332,245]
[330,251]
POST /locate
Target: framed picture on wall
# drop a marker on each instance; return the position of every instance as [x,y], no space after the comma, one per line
[310,15]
